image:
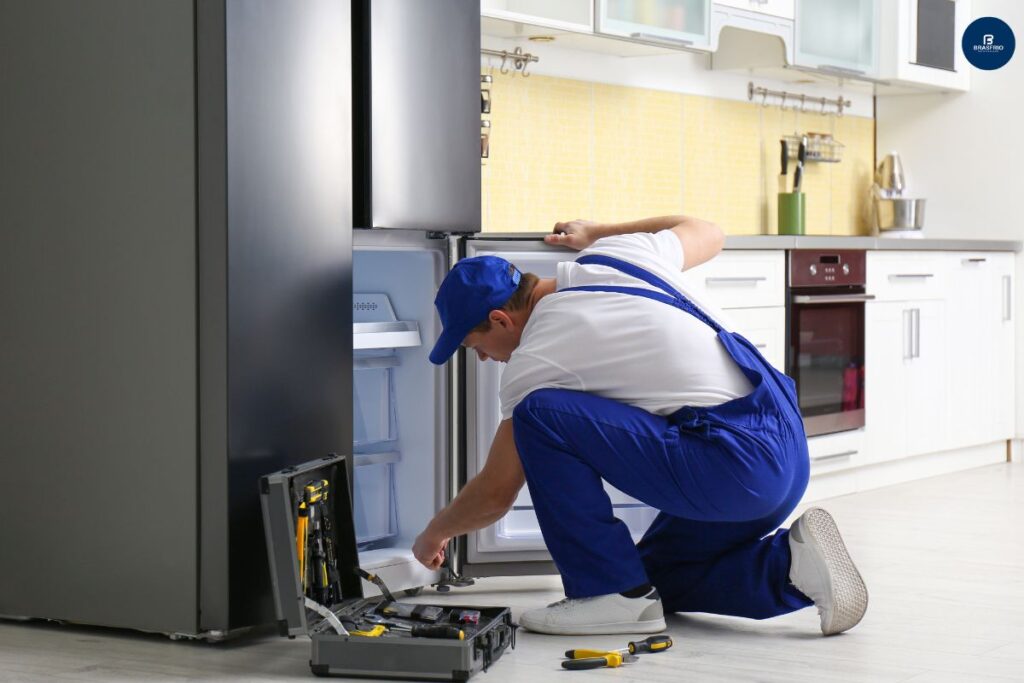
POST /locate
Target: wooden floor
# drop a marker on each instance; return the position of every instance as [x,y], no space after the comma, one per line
[943,559]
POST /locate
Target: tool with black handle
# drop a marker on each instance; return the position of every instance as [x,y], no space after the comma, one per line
[785,165]
[652,644]
[602,660]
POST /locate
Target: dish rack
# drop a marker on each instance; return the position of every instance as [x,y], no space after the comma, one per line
[820,147]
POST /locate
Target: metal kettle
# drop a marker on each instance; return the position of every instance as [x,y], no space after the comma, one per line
[889,176]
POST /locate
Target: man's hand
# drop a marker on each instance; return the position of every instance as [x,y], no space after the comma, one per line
[429,550]
[577,234]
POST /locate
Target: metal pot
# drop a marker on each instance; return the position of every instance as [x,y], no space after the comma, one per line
[899,214]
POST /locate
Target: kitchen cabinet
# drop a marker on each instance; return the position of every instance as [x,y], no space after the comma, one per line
[837,36]
[676,23]
[1002,360]
[567,15]
[920,44]
[981,337]
[766,330]
[784,9]
[905,379]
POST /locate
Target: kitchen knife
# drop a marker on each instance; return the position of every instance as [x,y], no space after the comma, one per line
[798,176]
[801,157]
[785,165]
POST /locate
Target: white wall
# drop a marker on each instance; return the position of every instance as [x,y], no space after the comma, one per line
[965,154]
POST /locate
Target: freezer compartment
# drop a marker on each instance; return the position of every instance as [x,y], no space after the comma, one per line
[400,411]
[517,537]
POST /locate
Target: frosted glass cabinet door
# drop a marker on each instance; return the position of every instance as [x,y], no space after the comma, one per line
[681,23]
[837,35]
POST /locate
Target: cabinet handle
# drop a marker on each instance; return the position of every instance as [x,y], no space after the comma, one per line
[911,275]
[833,456]
[842,69]
[1007,298]
[667,40]
[917,332]
[710,280]
[760,346]
[908,335]
[832,298]
[975,260]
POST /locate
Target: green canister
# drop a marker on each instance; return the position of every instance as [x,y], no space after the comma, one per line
[792,209]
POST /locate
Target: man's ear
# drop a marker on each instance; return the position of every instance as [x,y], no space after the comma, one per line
[500,317]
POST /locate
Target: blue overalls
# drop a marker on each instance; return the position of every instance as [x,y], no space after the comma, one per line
[722,477]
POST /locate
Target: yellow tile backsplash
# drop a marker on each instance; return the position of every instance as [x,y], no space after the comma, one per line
[562,149]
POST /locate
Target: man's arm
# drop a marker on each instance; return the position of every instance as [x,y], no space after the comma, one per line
[483,500]
[701,240]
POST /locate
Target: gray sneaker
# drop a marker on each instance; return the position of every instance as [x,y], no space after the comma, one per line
[822,570]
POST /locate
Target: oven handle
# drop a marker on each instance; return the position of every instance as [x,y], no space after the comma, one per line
[832,298]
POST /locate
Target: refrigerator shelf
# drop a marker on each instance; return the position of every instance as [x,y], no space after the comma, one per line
[360,459]
[390,335]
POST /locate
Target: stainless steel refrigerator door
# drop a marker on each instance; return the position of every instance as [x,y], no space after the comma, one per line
[417,114]
[408,266]
[514,544]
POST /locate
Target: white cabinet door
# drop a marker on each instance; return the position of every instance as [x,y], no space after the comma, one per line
[920,44]
[886,354]
[926,379]
[971,315]
[677,23]
[766,329]
[1002,361]
[569,15]
[837,36]
[776,8]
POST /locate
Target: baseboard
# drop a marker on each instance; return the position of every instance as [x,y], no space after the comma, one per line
[832,484]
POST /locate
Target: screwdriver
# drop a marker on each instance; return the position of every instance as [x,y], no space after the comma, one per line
[652,644]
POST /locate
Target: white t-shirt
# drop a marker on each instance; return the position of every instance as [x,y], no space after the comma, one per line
[628,348]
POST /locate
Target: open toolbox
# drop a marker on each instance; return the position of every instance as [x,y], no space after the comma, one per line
[318,590]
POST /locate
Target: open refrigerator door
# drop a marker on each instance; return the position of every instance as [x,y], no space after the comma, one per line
[514,544]
[400,406]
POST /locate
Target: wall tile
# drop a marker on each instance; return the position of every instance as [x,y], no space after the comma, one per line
[564,149]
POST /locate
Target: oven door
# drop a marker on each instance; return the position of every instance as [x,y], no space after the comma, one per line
[826,358]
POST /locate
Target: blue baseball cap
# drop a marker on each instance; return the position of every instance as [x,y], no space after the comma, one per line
[474,287]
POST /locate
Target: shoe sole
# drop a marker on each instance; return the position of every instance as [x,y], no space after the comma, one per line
[850,595]
[655,626]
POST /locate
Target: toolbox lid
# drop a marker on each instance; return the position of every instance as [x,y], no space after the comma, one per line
[280,495]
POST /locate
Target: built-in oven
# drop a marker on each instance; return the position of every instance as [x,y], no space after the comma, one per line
[825,354]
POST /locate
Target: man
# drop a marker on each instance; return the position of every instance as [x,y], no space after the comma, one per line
[614,373]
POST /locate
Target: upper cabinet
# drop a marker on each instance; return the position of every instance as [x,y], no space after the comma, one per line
[678,23]
[891,46]
[837,36]
[920,44]
[566,15]
[784,9]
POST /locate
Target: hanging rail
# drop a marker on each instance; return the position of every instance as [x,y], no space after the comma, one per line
[799,101]
[520,60]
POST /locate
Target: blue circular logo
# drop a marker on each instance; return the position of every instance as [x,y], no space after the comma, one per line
[988,43]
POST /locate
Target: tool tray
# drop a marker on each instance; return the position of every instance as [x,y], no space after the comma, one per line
[392,655]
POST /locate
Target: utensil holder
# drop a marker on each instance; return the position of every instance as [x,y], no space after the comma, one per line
[792,209]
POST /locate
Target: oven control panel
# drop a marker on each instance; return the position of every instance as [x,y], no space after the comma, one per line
[820,268]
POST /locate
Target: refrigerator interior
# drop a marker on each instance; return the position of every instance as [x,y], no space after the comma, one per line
[517,536]
[400,413]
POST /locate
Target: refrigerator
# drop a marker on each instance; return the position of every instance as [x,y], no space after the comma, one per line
[421,431]
[175,279]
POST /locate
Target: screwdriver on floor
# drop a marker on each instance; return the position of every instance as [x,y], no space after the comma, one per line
[652,644]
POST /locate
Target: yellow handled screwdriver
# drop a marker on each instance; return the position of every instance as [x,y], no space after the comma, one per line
[652,644]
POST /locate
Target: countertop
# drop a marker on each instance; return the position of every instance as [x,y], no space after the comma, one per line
[876,243]
[822,242]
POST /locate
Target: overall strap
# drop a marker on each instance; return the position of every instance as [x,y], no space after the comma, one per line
[673,298]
